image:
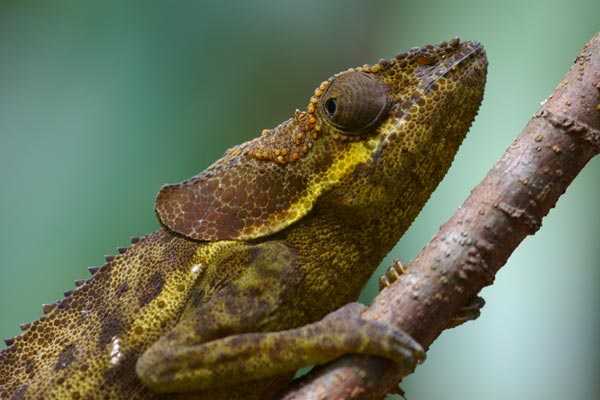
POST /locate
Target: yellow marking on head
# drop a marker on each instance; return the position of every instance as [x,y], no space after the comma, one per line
[343,165]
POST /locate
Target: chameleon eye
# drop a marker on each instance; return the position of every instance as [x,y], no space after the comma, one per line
[331,106]
[354,102]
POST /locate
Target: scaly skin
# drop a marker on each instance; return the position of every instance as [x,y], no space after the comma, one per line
[274,236]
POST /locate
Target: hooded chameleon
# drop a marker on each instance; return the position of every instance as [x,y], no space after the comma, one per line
[239,287]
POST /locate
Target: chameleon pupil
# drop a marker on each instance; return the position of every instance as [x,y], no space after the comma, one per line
[331,106]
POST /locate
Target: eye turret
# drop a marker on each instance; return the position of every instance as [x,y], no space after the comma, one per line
[354,102]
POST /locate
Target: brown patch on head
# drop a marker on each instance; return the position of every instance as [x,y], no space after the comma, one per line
[235,202]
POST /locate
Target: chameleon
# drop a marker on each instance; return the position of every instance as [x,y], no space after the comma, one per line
[259,258]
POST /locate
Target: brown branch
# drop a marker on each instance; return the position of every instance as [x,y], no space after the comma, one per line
[470,248]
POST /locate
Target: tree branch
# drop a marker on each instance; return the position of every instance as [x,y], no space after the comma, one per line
[475,243]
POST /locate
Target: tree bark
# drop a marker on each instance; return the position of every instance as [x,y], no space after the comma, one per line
[467,252]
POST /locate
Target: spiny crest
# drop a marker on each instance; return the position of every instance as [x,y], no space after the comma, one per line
[48,308]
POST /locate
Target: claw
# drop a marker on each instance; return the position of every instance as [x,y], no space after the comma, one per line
[392,274]
[469,312]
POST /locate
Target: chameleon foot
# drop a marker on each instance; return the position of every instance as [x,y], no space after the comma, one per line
[469,312]
[392,274]
[371,337]
[246,356]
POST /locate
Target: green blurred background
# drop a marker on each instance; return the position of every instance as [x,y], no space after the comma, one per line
[102,102]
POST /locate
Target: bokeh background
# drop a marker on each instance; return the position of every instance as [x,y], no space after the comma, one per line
[101,102]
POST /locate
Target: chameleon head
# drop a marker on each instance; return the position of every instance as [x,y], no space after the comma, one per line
[432,95]
[371,138]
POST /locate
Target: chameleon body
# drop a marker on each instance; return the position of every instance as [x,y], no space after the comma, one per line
[232,294]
